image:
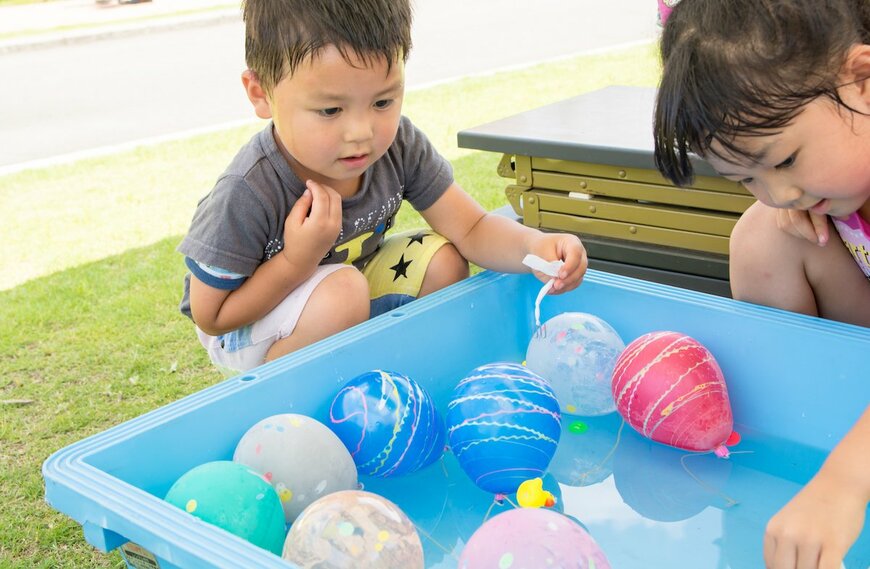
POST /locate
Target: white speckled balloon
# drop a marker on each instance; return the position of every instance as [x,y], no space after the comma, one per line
[354,529]
[300,457]
[576,355]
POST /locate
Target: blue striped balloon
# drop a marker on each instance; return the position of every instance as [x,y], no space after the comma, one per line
[388,423]
[503,426]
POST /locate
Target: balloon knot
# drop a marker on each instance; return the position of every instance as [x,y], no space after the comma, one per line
[721,451]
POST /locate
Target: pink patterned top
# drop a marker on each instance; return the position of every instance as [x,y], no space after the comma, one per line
[855,233]
[665,7]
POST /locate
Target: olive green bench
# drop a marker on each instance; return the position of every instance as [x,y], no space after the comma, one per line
[585,165]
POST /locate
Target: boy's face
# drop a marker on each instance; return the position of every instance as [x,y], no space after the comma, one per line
[333,119]
[819,162]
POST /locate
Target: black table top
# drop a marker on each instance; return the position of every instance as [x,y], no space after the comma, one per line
[610,126]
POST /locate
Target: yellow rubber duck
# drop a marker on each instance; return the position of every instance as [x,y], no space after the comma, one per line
[531,494]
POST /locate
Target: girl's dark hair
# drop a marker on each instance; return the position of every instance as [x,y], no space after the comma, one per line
[746,68]
[282,34]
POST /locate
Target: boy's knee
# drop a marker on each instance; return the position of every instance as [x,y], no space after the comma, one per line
[347,291]
[339,301]
[451,263]
[447,267]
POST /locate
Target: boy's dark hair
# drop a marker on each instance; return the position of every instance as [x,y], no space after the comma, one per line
[746,68]
[282,34]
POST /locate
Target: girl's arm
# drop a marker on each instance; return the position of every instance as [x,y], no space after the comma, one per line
[819,525]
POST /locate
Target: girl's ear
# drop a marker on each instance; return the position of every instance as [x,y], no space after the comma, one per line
[856,71]
[256,94]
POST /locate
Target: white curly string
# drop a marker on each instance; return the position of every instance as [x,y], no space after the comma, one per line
[549,268]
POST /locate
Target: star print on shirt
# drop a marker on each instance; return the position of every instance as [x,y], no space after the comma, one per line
[418,238]
[401,268]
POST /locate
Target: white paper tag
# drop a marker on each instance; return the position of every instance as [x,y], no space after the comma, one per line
[549,268]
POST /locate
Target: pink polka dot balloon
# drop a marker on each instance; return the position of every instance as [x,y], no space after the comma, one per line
[531,538]
[670,389]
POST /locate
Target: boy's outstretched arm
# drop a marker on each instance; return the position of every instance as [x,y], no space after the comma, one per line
[310,230]
[497,243]
[819,525]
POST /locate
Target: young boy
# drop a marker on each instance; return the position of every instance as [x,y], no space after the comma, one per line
[288,247]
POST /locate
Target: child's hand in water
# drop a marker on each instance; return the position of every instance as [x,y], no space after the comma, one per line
[818,526]
[810,226]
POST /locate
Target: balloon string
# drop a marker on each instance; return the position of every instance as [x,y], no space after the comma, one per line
[433,540]
[497,501]
[582,477]
[729,501]
[426,534]
[486,517]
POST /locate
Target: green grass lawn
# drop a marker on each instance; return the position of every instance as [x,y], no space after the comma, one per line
[90,281]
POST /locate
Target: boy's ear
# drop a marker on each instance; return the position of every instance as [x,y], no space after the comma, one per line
[256,94]
[856,71]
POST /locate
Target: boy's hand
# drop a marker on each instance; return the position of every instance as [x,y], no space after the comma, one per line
[807,225]
[312,225]
[816,528]
[566,248]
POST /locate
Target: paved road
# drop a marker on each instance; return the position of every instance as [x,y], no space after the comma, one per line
[82,96]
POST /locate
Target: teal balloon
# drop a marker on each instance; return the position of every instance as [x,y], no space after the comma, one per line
[235,498]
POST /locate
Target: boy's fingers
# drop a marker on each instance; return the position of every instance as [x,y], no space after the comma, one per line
[334,204]
[327,201]
[572,271]
[300,209]
[319,199]
[574,259]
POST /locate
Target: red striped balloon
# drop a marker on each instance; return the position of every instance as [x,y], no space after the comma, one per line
[670,389]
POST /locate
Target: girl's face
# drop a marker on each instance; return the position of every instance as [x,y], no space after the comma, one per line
[820,162]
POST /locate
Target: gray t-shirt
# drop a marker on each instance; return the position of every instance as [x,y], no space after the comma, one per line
[240,223]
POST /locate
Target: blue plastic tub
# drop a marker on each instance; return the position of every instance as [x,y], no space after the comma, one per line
[797,384]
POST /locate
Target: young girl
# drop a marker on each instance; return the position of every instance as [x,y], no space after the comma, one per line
[775,94]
